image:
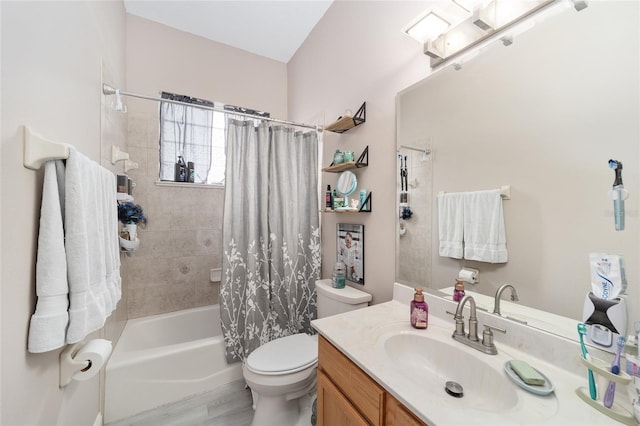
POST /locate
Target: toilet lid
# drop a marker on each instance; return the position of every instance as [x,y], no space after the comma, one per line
[284,355]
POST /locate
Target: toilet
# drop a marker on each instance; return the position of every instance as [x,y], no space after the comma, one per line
[282,372]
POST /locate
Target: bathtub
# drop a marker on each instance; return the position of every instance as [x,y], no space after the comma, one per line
[165,358]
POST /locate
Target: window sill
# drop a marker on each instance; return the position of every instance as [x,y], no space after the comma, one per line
[189,185]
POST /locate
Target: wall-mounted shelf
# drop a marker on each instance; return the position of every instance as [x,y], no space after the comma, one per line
[343,124]
[362,161]
[364,208]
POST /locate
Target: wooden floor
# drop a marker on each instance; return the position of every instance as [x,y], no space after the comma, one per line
[228,405]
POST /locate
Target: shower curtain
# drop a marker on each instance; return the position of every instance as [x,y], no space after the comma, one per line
[271,236]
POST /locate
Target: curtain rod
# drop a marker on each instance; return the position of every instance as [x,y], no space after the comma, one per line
[109,90]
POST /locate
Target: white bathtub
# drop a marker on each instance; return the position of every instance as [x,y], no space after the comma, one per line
[165,358]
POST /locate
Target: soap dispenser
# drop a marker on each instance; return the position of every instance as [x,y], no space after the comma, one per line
[419,310]
[339,275]
[458,293]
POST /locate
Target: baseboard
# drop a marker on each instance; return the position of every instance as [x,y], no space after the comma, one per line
[98,421]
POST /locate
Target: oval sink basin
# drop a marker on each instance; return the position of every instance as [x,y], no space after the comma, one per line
[433,361]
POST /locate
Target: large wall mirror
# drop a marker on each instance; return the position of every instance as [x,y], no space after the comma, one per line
[543,115]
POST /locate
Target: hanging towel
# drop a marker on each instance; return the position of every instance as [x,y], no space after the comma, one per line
[484,234]
[48,325]
[450,224]
[91,231]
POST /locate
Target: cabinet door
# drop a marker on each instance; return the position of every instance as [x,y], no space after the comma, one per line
[333,408]
[365,394]
[397,415]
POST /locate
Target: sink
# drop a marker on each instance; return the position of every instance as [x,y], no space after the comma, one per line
[433,358]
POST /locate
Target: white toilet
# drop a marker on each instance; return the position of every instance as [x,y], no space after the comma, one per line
[282,373]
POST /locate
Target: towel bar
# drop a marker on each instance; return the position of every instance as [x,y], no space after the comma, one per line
[37,150]
[505,192]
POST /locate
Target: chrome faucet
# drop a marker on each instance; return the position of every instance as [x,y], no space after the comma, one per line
[496,303]
[486,345]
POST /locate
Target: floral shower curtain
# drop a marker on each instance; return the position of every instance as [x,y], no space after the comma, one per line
[271,236]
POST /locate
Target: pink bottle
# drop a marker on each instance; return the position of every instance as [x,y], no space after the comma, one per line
[458,293]
[419,310]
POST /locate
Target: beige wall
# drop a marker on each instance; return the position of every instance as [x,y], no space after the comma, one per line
[358,53]
[181,242]
[51,81]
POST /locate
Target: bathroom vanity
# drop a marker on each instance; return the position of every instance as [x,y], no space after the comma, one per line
[374,368]
[347,395]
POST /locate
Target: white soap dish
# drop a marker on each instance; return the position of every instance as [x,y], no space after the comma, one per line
[545,389]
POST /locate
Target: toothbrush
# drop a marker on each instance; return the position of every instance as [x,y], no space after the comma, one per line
[582,331]
[615,369]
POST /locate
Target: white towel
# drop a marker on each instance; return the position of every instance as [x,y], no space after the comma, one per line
[450,224]
[484,233]
[91,245]
[49,322]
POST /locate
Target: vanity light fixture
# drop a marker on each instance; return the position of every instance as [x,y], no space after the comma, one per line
[468,5]
[428,26]
[446,35]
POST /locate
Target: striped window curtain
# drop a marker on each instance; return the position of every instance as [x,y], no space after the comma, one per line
[185,131]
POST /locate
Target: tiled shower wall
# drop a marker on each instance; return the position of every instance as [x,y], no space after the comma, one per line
[170,271]
[414,267]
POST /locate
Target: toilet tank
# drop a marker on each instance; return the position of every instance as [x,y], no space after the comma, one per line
[332,301]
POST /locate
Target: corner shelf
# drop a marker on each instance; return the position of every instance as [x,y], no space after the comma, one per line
[343,124]
[362,161]
[124,197]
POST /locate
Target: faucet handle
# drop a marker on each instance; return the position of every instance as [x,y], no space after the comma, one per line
[488,328]
[487,335]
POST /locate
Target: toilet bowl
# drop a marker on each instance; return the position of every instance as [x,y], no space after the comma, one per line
[282,373]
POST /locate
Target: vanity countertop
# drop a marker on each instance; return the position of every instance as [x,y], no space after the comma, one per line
[360,335]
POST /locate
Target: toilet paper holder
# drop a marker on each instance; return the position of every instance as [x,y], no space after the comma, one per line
[70,366]
[469,275]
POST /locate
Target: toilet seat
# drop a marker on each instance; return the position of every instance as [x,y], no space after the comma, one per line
[284,355]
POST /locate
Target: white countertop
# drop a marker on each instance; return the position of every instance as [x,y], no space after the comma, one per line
[360,335]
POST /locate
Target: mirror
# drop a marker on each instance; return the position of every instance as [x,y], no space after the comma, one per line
[543,115]
[346,184]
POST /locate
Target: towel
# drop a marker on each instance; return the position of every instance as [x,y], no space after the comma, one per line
[450,224]
[91,231]
[48,325]
[484,234]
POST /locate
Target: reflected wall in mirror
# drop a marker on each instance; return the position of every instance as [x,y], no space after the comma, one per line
[543,115]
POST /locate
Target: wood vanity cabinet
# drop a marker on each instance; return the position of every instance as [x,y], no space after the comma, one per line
[348,396]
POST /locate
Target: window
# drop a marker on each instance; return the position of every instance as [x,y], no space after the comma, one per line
[197,135]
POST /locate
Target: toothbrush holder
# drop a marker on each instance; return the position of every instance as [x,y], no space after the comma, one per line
[601,369]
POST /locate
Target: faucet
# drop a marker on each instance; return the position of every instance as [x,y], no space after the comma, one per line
[496,303]
[486,345]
